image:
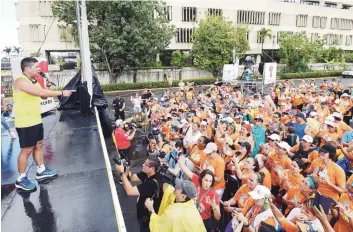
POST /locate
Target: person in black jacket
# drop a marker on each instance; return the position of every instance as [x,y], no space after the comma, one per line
[119,107]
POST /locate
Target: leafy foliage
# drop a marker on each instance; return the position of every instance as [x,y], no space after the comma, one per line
[296,51]
[121,33]
[214,40]
[181,59]
[36,54]
[314,74]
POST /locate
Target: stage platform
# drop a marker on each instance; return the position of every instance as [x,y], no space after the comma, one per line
[79,199]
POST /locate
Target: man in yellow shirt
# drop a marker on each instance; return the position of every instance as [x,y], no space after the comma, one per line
[28,121]
[180,216]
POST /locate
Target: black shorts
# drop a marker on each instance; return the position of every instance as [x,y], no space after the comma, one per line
[29,136]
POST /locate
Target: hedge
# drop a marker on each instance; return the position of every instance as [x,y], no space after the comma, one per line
[314,74]
[151,85]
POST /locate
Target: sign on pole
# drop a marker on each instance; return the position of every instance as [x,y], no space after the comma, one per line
[230,72]
[270,73]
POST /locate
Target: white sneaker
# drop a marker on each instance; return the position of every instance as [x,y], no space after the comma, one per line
[13,135]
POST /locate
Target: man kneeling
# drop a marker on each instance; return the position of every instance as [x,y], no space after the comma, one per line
[181,214]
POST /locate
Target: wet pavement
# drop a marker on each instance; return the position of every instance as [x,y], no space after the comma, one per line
[79,199]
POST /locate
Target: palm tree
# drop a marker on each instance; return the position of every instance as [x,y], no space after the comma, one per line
[17,50]
[7,50]
[262,35]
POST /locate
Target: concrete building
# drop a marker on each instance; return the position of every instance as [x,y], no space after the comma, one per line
[332,19]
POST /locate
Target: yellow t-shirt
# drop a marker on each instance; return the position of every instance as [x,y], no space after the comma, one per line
[27,107]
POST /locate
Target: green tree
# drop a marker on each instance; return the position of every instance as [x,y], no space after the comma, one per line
[17,50]
[121,33]
[214,40]
[176,58]
[296,51]
[7,50]
[262,35]
[35,54]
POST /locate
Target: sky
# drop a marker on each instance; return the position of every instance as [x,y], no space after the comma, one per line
[9,28]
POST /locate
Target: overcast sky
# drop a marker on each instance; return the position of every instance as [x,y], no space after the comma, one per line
[9,28]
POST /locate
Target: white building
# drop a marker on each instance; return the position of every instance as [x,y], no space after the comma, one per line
[332,19]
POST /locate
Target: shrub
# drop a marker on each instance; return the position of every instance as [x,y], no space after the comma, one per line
[314,74]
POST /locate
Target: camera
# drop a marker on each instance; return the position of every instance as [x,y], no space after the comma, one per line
[121,162]
[165,175]
[132,125]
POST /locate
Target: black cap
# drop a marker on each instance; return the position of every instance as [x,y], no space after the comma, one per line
[246,145]
[327,148]
[300,115]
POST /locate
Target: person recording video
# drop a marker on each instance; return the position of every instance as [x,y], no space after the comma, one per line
[123,139]
[145,190]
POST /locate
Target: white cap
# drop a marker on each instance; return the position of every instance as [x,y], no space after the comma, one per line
[260,192]
[284,145]
[336,115]
[246,122]
[203,123]
[119,122]
[308,138]
[313,114]
[330,123]
[274,137]
[210,147]
[337,101]
[345,95]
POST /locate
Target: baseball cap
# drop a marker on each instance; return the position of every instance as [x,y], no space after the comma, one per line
[327,148]
[336,115]
[187,186]
[246,145]
[274,137]
[345,95]
[300,115]
[210,147]
[313,114]
[330,123]
[119,122]
[203,122]
[284,145]
[308,138]
[260,192]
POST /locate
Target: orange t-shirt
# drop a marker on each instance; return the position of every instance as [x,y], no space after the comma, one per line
[327,136]
[242,197]
[267,180]
[332,171]
[196,155]
[288,226]
[284,163]
[219,166]
[293,181]
[342,225]
[293,194]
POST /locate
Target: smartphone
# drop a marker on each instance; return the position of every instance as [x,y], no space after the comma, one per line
[73,91]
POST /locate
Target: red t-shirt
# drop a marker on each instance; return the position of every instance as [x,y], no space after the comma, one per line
[121,139]
[205,207]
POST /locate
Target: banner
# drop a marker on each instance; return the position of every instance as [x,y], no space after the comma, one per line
[230,72]
[47,104]
[270,73]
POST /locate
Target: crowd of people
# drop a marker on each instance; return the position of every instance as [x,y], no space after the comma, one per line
[275,162]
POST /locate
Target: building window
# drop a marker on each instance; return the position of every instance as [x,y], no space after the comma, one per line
[189,14]
[334,39]
[274,19]
[44,8]
[215,12]
[349,39]
[346,7]
[314,37]
[251,17]
[168,13]
[316,21]
[341,24]
[184,35]
[34,32]
[323,21]
[281,33]
[330,5]
[302,20]
[311,3]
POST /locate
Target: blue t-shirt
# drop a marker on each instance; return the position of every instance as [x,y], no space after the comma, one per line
[300,130]
[347,136]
